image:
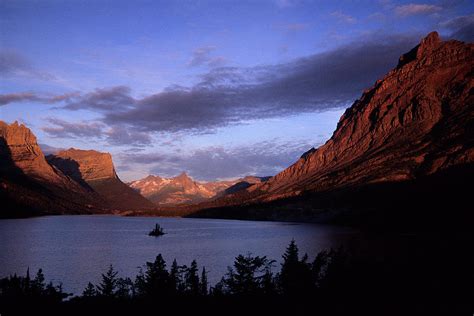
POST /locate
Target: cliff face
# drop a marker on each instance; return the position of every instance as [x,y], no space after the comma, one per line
[86,165]
[406,139]
[30,186]
[415,121]
[96,170]
[21,148]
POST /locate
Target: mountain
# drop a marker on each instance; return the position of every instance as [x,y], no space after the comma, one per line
[29,185]
[406,146]
[243,184]
[181,189]
[95,170]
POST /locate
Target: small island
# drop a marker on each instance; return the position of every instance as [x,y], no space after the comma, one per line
[157,231]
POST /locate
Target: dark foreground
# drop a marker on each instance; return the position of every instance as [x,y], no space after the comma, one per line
[408,274]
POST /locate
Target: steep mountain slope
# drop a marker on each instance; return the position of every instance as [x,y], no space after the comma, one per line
[413,122]
[96,170]
[30,186]
[178,190]
[409,138]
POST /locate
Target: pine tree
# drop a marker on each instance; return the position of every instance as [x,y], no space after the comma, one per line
[192,279]
[108,286]
[295,276]
[89,291]
[176,282]
[203,284]
[157,277]
[37,284]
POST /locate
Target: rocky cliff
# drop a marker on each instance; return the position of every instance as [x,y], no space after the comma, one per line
[414,124]
[96,170]
[29,185]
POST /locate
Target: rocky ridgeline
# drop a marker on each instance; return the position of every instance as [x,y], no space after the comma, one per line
[415,121]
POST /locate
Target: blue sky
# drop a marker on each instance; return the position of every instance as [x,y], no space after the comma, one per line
[219,89]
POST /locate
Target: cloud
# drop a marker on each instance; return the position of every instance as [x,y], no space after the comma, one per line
[217,162]
[106,99]
[15,64]
[34,97]
[49,150]
[235,95]
[64,129]
[202,56]
[416,9]
[342,17]
[115,135]
[461,27]
[118,135]
[230,95]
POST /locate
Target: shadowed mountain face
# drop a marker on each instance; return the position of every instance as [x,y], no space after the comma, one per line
[414,124]
[183,189]
[31,186]
[96,170]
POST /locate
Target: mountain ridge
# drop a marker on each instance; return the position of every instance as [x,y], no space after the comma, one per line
[183,189]
[414,123]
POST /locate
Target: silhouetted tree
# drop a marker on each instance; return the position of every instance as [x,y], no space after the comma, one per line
[89,291]
[295,277]
[203,284]
[124,288]
[37,285]
[246,278]
[139,286]
[319,266]
[192,279]
[108,285]
[157,280]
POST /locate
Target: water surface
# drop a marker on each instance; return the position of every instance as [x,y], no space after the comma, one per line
[77,249]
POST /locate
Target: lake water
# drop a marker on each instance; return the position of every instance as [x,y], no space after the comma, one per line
[77,249]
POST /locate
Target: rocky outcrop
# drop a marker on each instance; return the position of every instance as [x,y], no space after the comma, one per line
[95,170]
[415,123]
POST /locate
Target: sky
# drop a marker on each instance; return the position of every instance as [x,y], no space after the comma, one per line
[218,89]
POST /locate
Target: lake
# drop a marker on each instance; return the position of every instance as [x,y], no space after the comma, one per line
[77,249]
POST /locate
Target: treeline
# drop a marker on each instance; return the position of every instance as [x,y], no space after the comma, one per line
[415,278]
[249,276]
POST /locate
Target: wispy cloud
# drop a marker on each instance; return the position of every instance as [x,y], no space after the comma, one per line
[15,64]
[202,56]
[416,9]
[218,162]
[34,97]
[461,27]
[115,135]
[343,17]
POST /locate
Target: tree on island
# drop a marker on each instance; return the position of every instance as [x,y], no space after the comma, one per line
[157,231]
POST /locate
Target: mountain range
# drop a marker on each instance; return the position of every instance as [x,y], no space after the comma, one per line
[404,150]
[182,189]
